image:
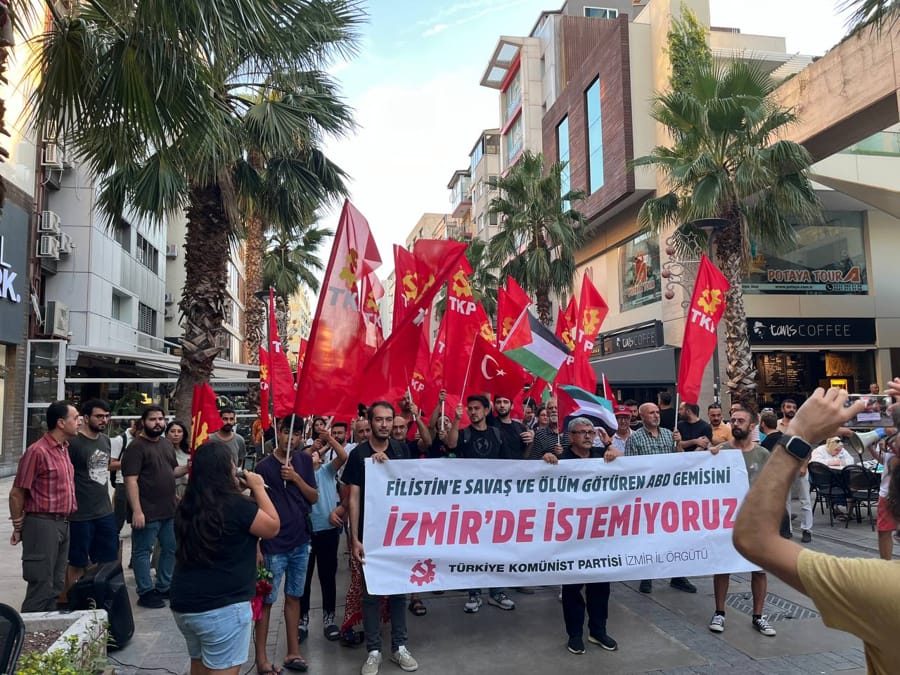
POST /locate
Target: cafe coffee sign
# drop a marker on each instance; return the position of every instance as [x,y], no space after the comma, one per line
[831,331]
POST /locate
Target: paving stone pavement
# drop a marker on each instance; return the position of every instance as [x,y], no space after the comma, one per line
[664,633]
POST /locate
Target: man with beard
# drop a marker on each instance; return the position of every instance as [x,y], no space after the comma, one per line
[227,435]
[150,469]
[695,433]
[516,436]
[380,448]
[755,456]
[417,447]
[800,487]
[721,430]
[93,534]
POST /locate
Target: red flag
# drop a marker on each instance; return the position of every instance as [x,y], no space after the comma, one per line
[593,310]
[205,418]
[407,287]
[567,331]
[704,314]
[334,357]
[516,293]
[491,372]
[301,356]
[608,391]
[388,373]
[281,377]
[264,389]
[372,292]
[462,322]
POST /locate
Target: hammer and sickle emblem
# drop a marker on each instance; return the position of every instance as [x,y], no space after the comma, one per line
[348,273]
[709,300]
[591,322]
[461,285]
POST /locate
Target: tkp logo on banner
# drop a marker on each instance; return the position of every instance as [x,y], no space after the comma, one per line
[422,573]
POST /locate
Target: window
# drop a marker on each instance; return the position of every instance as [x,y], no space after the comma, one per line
[116,312]
[147,255]
[562,143]
[123,235]
[514,140]
[594,137]
[600,13]
[146,319]
[477,154]
[512,98]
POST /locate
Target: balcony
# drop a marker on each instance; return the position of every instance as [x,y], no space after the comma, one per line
[460,187]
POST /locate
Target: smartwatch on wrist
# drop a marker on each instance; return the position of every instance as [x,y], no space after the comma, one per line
[796,446]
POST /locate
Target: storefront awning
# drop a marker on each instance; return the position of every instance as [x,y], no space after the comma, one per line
[166,365]
[649,366]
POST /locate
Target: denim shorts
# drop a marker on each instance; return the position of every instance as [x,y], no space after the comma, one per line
[220,638]
[93,541]
[292,566]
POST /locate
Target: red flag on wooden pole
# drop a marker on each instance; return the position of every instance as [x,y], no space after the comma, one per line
[264,384]
[593,310]
[705,312]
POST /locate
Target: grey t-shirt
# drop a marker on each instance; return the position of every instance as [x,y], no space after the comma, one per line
[755,458]
[237,445]
[90,459]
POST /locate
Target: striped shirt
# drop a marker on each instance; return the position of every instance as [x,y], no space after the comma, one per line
[46,474]
[642,443]
[545,440]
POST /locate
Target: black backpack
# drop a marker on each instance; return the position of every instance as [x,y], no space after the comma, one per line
[103,587]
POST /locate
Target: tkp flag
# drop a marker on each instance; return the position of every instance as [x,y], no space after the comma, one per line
[704,314]
[205,418]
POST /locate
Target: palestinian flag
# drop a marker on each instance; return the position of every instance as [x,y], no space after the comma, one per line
[534,347]
[575,401]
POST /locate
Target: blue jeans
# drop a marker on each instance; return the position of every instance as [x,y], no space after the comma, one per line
[142,542]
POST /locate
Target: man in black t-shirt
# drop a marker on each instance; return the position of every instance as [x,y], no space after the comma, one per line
[515,434]
[380,448]
[479,441]
[93,535]
[695,433]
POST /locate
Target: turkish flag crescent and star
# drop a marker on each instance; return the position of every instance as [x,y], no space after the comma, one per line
[490,372]
[334,357]
[704,314]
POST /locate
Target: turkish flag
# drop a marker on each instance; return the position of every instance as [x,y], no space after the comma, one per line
[338,342]
[264,384]
[593,310]
[704,314]
[205,418]
[567,331]
[491,372]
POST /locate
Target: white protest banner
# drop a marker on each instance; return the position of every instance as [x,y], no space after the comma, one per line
[434,524]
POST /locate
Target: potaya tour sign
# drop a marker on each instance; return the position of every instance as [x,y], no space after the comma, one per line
[436,524]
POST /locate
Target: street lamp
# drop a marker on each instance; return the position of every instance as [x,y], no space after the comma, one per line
[684,273]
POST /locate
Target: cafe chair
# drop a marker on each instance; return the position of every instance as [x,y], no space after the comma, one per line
[12,636]
[829,487]
[862,487]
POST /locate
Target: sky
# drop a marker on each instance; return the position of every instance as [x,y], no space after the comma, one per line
[419,107]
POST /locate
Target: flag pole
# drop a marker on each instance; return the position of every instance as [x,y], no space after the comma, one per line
[468,366]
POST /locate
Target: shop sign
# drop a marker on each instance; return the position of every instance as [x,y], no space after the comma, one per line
[13,273]
[640,271]
[837,331]
[642,336]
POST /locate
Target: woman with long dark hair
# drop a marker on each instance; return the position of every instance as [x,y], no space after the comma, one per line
[216,532]
[177,433]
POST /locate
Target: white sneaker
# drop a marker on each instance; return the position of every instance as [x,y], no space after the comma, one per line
[501,600]
[717,623]
[404,659]
[473,604]
[370,667]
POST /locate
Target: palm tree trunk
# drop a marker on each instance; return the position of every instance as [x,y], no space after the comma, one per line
[205,290]
[255,313]
[739,367]
[542,301]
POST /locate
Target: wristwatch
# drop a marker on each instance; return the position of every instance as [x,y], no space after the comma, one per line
[796,446]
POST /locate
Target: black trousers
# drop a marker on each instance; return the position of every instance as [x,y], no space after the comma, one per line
[595,600]
[324,551]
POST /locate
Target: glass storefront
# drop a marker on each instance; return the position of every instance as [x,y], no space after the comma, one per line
[787,374]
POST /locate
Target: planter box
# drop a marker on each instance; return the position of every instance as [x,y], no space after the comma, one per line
[87,625]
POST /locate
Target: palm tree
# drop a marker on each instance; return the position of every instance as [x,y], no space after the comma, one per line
[724,163]
[539,232]
[865,12]
[165,100]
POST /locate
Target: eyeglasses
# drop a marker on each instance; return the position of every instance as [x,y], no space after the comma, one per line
[586,432]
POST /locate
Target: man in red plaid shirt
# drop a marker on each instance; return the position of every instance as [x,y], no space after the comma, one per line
[40,501]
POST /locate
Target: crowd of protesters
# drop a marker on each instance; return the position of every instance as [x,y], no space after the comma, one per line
[219,529]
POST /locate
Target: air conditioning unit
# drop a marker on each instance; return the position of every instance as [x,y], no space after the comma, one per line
[170,298]
[53,156]
[49,222]
[56,319]
[66,245]
[171,250]
[48,247]
[169,313]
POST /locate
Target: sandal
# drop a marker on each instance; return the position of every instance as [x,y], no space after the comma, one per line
[296,664]
[417,607]
[272,670]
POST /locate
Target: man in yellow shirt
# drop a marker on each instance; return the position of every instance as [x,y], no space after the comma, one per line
[721,430]
[857,595]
